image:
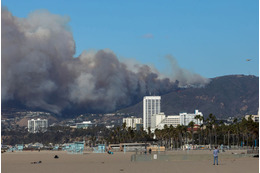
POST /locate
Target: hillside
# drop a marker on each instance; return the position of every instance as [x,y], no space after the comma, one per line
[234,95]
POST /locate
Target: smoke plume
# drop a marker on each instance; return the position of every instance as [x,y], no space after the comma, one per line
[39,70]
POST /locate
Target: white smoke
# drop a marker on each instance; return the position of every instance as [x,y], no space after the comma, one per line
[184,76]
[38,69]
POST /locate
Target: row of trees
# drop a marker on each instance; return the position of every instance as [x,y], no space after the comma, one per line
[55,135]
[210,132]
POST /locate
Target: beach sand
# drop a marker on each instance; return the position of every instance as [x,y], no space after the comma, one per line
[201,161]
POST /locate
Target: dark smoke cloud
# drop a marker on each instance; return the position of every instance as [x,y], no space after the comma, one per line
[39,70]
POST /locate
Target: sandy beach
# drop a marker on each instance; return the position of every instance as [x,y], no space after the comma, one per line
[177,162]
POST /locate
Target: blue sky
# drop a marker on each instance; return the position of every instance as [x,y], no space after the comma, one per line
[211,38]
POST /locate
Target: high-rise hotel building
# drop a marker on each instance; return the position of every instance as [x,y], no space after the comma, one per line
[151,106]
[38,125]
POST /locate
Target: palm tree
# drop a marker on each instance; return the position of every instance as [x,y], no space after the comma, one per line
[159,135]
[150,134]
[253,128]
[201,119]
[244,130]
[185,129]
[208,131]
[166,135]
[143,134]
[202,126]
[222,131]
[172,135]
[236,130]
[198,118]
[179,129]
[118,135]
[210,124]
[130,135]
[191,125]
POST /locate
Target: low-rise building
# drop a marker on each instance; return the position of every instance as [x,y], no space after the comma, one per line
[173,120]
[132,121]
[186,118]
[84,125]
[160,120]
[255,118]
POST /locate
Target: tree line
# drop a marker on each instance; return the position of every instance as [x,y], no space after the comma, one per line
[210,132]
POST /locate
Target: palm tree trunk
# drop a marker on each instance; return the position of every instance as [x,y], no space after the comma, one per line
[237,136]
[216,142]
[233,140]
[243,140]
[199,139]
[204,138]
[247,141]
[228,138]
[192,138]
[210,138]
[186,138]
[224,139]
[180,140]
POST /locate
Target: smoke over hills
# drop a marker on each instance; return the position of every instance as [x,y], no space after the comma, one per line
[39,70]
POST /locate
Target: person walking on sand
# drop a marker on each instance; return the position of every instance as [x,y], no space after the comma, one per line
[215,154]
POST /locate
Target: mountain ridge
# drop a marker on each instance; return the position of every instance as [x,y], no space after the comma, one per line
[224,96]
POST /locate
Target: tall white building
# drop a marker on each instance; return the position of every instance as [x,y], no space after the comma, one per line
[151,106]
[38,125]
[132,121]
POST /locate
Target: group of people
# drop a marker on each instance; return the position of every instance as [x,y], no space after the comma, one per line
[150,151]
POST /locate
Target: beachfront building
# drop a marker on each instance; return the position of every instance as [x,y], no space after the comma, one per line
[156,119]
[255,118]
[173,120]
[160,120]
[151,106]
[84,125]
[186,118]
[132,122]
[39,125]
